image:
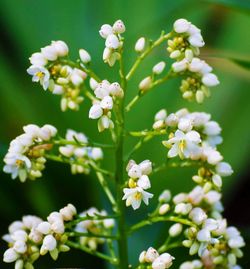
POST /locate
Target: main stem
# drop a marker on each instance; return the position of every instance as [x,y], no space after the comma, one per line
[122,241]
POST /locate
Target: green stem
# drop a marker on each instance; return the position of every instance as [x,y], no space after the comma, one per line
[92,252]
[166,247]
[150,221]
[157,82]
[96,217]
[80,66]
[141,57]
[106,189]
[63,141]
[77,234]
[148,133]
[119,166]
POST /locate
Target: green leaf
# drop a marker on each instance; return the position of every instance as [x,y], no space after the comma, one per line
[242,5]
[243,63]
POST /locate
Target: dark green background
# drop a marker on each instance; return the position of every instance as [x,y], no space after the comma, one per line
[28,25]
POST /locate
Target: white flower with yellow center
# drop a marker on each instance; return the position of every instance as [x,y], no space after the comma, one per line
[184,145]
[39,74]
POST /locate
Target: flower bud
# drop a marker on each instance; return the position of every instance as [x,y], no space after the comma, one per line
[199,96]
[112,42]
[210,80]
[84,56]
[50,53]
[49,243]
[60,47]
[106,30]
[181,25]
[140,44]
[151,255]
[119,27]
[142,256]
[38,59]
[145,84]
[146,167]
[95,112]
[107,103]
[224,169]
[20,246]
[44,227]
[165,196]
[10,255]
[158,68]
[144,182]
[175,230]
[164,209]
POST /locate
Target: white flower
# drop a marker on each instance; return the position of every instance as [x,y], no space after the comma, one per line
[112,42]
[158,68]
[135,171]
[151,254]
[204,235]
[181,25]
[10,255]
[211,155]
[105,123]
[140,44]
[134,197]
[68,212]
[50,53]
[144,182]
[40,74]
[37,59]
[106,30]
[60,47]
[20,246]
[164,261]
[161,115]
[182,208]
[84,56]
[49,244]
[212,128]
[44,227]
[107,103]
[184,145]
[224,169]
[77,76]
[180,65]
[210,80]
[119,27]
[95,111]
[197,215]
[146,167]
[196,40]
[185,125]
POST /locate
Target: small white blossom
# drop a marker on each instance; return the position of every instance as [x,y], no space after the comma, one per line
[158,68]
[84,56]
[40,74]
[140,44]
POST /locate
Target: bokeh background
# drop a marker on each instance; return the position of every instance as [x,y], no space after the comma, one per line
[28,25]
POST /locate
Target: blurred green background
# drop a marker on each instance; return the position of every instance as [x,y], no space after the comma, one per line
[28,25]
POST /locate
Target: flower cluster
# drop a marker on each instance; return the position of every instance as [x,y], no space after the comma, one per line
[138,183]
[113,43]
[32,237]
[81,156]
[106,94]
[183,48]
[25,157]
[209,236]
[94,228]
[195,136]
[153,258]
[48,68]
